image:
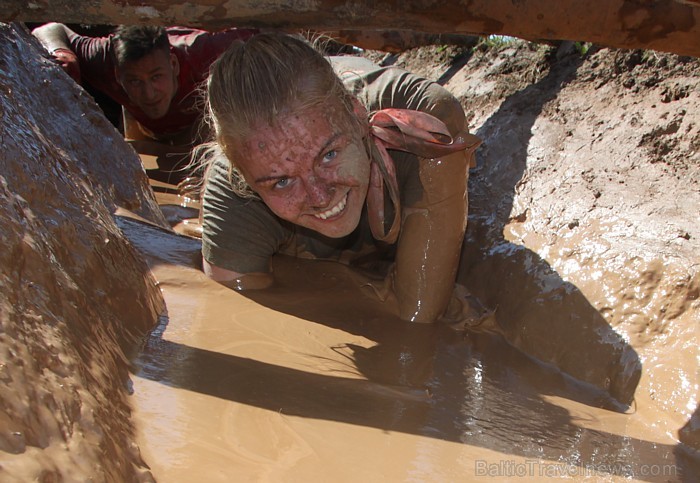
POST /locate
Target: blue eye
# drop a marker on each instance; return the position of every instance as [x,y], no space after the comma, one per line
[283,183]
[330,155]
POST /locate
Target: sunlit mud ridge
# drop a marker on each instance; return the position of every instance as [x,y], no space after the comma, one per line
[583,207]
[73,288]
[121,361]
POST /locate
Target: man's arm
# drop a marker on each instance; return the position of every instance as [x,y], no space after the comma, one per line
[56,39]
[54,36]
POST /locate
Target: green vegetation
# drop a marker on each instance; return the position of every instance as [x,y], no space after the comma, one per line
[582,47]
[496,40]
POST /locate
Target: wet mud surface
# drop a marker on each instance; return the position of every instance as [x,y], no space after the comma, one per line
[74,293]
[582,207]
[315,379]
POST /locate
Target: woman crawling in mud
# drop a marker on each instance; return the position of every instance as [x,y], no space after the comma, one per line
[334,158]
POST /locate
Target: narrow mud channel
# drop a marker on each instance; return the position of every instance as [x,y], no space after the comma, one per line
[313,380]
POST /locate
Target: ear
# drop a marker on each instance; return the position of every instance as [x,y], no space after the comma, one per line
[175,64]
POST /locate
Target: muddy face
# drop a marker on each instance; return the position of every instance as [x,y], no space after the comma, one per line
[151,82]
[310,169]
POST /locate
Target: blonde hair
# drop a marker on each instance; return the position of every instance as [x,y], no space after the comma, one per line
[252,83]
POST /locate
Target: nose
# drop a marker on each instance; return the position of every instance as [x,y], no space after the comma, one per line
[149,91]
[318,192]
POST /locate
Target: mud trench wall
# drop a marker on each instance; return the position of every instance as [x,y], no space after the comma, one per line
[74,293]
[579,232]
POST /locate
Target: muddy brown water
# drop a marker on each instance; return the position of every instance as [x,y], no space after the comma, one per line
[315,379]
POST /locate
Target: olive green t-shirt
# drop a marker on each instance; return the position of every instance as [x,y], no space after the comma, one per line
[242,234]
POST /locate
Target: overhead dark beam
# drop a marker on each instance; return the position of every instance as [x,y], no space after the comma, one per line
[663,25]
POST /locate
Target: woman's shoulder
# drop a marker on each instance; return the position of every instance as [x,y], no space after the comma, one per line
[348,66]
[381,87]
[359,73]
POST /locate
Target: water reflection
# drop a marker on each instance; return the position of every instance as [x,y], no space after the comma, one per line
[471,389]
[428,381]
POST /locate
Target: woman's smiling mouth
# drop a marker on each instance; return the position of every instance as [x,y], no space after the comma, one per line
[333,211]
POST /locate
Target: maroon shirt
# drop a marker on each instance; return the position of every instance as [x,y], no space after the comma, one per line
[195,50]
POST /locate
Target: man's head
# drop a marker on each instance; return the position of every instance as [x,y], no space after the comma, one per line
[145,67]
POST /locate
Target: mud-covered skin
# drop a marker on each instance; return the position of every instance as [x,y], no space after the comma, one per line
[431,237]
[303,169]
[309,169]
[298,186]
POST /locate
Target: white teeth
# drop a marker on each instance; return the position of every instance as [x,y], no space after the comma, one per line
[333,211]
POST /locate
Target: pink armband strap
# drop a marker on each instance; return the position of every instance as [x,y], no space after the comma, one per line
[405,130]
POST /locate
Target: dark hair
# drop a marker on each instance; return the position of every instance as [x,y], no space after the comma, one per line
[132,42]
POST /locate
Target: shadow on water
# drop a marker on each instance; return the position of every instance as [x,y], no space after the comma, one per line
[540,313]
[428,380]
[423,380]
[475,389]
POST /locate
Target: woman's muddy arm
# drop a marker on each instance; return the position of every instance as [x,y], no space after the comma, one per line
[237,281]
[431,240]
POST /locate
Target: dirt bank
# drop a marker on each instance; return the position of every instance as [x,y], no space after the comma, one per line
[584,207]
[73,292]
